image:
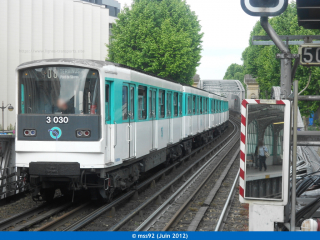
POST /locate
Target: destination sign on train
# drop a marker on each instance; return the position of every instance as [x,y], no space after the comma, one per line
[310,54]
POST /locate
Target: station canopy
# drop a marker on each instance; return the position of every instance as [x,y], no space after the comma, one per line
[223,88]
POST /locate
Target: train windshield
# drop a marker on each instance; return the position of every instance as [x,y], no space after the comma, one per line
[59,90]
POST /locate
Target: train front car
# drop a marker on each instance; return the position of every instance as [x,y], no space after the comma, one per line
[59,125]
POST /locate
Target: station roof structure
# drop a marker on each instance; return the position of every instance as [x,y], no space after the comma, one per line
[308,14]
[223,87]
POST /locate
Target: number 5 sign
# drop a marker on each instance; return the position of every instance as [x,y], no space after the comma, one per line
[309,54]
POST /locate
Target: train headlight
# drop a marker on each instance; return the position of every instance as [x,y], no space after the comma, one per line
[83,133]
[29,132]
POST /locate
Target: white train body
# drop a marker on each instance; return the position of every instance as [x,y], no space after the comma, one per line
[98,125]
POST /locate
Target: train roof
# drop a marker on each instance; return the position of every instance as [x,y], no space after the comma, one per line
[99,64]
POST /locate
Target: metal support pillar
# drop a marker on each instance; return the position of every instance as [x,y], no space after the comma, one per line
[3,116]
[294,157]
[285,83]
[285,56]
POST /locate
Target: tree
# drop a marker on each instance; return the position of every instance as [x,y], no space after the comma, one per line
[158,36]
[261,62]
[234,72]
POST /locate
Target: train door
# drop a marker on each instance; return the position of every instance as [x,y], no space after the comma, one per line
[128,92]
[180,114]
[189,114]
[109,127]
[198,113]
[152,116]
[169,116]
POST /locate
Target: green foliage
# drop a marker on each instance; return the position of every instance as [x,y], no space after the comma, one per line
[234,72]
[261,62]
[158,36]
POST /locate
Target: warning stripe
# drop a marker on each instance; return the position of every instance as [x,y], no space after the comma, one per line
[243,120]
[280,102]
[241,191]
[241,173]
[244,103]
[242,156]
[243,138]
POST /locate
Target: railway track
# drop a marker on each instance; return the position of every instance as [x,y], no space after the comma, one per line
[26,219]
[174,208]
[134,193]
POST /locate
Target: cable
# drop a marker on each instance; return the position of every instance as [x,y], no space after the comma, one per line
[307,83]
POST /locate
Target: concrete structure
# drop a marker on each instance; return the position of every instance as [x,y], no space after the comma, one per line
[113,6]
[43,29]
[196,79]
[253,89]
[233,90]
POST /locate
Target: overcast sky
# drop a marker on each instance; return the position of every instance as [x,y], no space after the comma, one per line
[226,34]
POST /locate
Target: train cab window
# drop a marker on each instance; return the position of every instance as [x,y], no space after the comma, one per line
[200,105]
[194,104]
[189,104]
[142,102]
[107,103]
[161,103]
[180,104]
[59,90]
[175,104]
[169,104]
[124,102]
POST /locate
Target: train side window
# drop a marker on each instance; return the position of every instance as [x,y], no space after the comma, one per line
[180,104]
[142,102]
[161,103]
[175,104]
[204,105]
[169,104]
[200,105]
[107,103]
[189,104]
[194,104]
[124,102]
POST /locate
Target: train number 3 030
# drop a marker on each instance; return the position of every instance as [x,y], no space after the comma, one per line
[61,120]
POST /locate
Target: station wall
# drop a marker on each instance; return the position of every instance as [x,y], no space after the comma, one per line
[44,29]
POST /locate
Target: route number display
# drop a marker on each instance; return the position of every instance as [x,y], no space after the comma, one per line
[309,55]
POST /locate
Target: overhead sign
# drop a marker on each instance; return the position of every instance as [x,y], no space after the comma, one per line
[310,54]
[264,8]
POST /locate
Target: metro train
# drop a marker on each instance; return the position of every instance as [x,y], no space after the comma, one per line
[99,126]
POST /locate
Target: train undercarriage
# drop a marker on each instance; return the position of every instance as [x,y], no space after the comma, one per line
[46,177]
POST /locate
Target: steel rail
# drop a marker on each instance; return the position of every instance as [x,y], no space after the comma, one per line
[224,211]
[6,223]
[92,216]
[60,220]
[145,224]
[201,212]
[194,224]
